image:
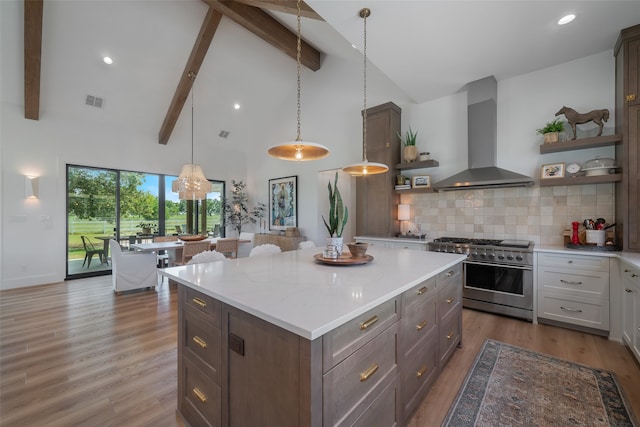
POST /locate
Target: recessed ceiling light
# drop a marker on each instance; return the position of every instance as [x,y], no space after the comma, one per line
[566,19]
[107,60]
[236,106]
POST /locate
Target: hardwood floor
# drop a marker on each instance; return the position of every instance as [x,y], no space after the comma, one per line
[74,353]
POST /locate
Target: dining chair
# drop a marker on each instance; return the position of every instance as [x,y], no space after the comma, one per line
[229,247]
[266,249]
[207,256]
[245,248]
[163,256]
[189,249]
[90,251]
[132,270]
[306,244]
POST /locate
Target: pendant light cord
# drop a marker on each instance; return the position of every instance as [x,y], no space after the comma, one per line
[364,13]
[192,76]
[298,58]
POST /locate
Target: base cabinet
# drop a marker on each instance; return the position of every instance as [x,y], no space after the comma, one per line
[631,308]
[237,370]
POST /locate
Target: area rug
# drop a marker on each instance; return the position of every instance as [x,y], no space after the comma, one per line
[511,386]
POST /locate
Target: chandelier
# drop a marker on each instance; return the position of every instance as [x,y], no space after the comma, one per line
[191,184]
[365,167]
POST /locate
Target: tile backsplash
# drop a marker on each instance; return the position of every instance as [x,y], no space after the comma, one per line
[539,214]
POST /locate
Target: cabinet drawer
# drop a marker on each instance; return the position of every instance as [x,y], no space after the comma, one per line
[588,312]
[632,274]
[385,410]
[417,324]
[204,303]
[449,298]
[578,262]
[201,402]
[449,335]
[202,340]
[419,371]
[353,383]
[588,284]
[345,339]
[454,274]
[408,245]
[418,294]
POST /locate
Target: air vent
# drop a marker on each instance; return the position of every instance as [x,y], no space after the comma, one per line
[223,134]
[94,101]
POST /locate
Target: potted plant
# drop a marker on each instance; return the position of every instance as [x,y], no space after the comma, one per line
[236,209]
[410,151]
[147,227]
[551,131]
[338,216]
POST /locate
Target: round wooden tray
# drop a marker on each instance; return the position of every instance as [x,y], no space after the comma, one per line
[192,238]
[344,259]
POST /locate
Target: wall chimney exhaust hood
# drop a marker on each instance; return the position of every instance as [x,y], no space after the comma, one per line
[482,142]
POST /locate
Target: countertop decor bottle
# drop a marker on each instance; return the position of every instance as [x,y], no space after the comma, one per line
[575,240]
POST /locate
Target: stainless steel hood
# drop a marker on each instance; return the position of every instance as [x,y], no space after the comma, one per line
[482,139]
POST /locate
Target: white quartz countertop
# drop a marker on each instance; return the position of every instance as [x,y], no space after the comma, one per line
[632,258]
[294,292]
[399,239]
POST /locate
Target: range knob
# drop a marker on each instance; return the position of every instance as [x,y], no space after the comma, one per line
[492,256]
[501,256]
[484,254]
[474,253]
[519,257]
[510,257]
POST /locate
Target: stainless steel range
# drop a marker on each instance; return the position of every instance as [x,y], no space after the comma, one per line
[498,274]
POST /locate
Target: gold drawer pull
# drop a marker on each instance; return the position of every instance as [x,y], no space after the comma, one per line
[200,395]
[202,343]
[422,290]
[451,335]
[364,325]
[631,97]
[570,282]
[450,300]
[571,310]
[370,371]
[450,273]
[422,325]
[421,371]
[201,303]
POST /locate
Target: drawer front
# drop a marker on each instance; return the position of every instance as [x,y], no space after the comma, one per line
[449,298]
[204,303]
[201,402]
[578,262]
[354,381]
[449,335]
[588,312]
[408,245]
[202,340]
[419,371]
[588,284]
[385,410]
[346,339]
[418,294]
[631,273]
[454,274]
[417,324]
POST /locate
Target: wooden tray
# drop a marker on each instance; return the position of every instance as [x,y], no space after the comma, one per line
[344,259]
[191,238]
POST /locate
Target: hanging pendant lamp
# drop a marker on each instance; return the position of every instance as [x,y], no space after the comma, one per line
[191,184]
[365,167]
[299,150]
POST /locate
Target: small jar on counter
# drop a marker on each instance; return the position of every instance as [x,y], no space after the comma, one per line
[425,156]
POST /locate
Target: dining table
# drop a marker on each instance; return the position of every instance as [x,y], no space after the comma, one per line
[176,246]
[105,245]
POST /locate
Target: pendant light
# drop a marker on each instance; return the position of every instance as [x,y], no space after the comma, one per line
[365,167]
[299,150]
[191,184]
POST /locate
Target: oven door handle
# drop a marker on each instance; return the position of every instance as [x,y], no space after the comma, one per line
[519,267]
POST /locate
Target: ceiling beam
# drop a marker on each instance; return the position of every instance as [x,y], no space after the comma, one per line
[32,57]
[269,29]
[285,6]
[199,51]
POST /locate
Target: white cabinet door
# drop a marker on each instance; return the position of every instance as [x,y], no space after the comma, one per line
[631,308]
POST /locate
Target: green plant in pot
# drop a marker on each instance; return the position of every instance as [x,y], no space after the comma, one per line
[551,131]
[338,216]
[410,151]
[147,227]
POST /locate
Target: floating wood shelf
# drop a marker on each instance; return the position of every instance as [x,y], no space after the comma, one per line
[580,180]
[417,190]
[582,143]
[418,165]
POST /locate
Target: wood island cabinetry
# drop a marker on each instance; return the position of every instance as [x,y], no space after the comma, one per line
[627,54]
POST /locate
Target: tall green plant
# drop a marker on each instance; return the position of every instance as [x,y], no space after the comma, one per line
[338,212]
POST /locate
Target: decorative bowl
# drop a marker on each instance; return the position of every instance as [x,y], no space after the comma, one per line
[357,249]
[191,237]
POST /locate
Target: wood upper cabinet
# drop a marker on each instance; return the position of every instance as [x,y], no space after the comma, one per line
[376,199]
[627,54]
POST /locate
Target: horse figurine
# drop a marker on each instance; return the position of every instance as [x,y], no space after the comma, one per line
[574,118]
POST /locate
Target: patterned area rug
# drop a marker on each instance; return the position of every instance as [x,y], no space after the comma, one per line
[511,386]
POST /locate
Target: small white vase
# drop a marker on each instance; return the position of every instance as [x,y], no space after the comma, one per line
[335,241]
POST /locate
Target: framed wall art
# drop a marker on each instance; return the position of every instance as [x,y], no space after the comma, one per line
[421,181]
[553,170]
[283,203]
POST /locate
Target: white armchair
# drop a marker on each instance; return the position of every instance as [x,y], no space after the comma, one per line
[245,248]
[132,270]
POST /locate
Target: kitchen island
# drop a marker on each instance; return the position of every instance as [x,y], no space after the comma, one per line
[282,340]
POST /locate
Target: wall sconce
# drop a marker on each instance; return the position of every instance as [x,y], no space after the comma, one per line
[404,214]
[31,186]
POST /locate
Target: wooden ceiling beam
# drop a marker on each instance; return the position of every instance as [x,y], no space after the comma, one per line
[198,53]
[32,57]
[269,29]
[285,6]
